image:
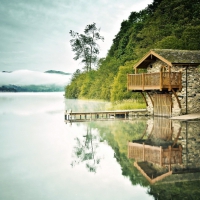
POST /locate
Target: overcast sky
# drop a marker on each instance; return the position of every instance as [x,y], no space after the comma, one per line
[34,34]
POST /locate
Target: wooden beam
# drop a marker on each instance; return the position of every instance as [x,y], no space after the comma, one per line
[150,98]
[170,87]
[180,81]
[176,139]
[144,132]
[161,80]
[144,98]
[176,98]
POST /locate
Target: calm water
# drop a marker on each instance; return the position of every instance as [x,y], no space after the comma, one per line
[43,158]
[38,158]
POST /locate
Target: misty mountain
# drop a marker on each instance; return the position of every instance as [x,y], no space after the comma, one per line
[33,81]
[57,72]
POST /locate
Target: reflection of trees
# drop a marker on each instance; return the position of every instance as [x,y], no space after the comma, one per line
[117,133]
[85,151]
[175,190]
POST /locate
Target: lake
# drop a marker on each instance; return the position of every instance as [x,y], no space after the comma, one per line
[44,158]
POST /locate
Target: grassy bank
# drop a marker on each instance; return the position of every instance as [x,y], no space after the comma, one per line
[126,105]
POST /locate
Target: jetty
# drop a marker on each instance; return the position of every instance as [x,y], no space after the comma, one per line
[187,117]
[102,115]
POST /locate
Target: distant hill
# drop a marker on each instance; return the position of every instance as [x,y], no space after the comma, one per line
[7,71]
[57,72]
[31,88]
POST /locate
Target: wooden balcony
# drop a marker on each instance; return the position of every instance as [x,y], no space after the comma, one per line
[155,81]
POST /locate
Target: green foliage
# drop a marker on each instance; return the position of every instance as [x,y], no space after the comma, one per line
[170,42]
[191,38]
[119,91]
[72,91]
[165,24]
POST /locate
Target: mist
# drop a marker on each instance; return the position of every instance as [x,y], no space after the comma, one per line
[27,77]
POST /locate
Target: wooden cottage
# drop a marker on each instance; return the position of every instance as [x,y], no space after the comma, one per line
[171,81]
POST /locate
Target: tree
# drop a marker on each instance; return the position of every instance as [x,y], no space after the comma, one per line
[85,45]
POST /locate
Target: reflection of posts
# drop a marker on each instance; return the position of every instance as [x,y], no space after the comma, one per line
[68,115]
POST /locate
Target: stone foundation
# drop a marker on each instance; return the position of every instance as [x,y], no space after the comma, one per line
[190,103]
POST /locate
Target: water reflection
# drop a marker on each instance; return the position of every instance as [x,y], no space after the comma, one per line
[116,134]
[86,150]
[165,153]
[171,147]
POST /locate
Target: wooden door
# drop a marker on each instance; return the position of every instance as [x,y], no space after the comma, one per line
[162,104]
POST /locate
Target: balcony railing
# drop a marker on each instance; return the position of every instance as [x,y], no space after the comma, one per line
[155,81]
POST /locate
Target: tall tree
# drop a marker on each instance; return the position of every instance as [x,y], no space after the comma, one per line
[85,45]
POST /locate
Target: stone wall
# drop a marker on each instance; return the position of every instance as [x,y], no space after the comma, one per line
[190,141]
[193,89]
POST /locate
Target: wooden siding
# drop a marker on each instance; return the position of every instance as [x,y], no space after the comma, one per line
[162,104]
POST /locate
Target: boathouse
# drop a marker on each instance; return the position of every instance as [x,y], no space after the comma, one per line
[171,80]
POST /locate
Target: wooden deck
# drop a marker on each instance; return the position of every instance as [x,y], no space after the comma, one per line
[102,115]
[154,81]
[187,117]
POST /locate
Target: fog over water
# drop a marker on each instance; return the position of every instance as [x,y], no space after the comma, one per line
[37,152]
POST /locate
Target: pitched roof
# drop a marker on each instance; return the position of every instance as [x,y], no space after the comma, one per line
[170,57]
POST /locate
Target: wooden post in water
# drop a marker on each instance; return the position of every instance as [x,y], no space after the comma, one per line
[66,115]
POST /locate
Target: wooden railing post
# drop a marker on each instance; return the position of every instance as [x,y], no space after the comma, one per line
[142,81]
[161,80]
[170,87]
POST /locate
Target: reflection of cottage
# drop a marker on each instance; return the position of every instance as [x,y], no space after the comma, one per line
[156,152]
[168,147]
[146,154]
[159,146]
[156,155]
[172,81]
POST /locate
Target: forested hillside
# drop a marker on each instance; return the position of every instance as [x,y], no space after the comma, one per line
[166,24]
